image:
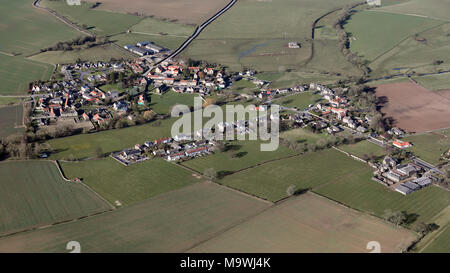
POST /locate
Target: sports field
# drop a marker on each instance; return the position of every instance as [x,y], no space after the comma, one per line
[33,194]
[185,11]
[309,223]
[129,184]
[243,154]
[170,222]
[98,53]
[11,120]
[247,36]
[430,146]
[301,101]
[271,181]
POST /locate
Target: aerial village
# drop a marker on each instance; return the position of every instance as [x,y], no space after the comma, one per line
[79,98]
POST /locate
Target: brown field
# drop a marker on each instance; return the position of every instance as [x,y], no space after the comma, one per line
[309,223]
[185,11]
[413,107]
[444,93]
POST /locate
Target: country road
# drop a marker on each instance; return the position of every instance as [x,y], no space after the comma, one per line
[197,32]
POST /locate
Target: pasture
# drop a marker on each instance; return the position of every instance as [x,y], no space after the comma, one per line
[363,148]
[84,145]
[185,11]
[128,184]
[374,33]
[300,135]
[416,54]
[16,73]
[98,53]
[162,104]
[33,194]
[435,82]
[430,146]
[414,108]
[11,120]
[431,8]
[441,244]
[309,223]
[301,101]
[242,154]
[102,23]
[271,181]
[367,195]
[246,35]
[171,222]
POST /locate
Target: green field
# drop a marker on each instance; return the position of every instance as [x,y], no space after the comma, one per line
[98,53]
[255,34]
[156,27]
[435,82]
[171,222]
[363,147]
[441,244]
[432,8]
[84,145]
[430,146]
[16,73]
[162,104]
[9,101]
[11,120]
[289,79]
[309,223]
[128,184]
[100,22]
[301,101]
[300,135]
[271,181]
[386,31]
[32,194]
[369,196]
[249,152]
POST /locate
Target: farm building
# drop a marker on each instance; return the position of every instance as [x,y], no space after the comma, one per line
[401,144]
[422,181]
[403,190]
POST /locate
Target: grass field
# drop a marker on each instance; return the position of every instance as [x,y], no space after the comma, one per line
[9,101]
[152,26]
[441,244]
[431,8]
[248,154]
[430,146]
[271,181]
[301,101]
[247,36]
[363,147]
[16,73]
[162,104]
[98,53]
[309,223]
[186,11]
[128,184]
[435,82]
[386,31]
[100,22]
[11,120]
[34,194]
[84,145]
[170,222]
[300,135]
[369,196]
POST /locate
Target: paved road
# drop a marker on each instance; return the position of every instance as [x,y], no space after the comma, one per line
[197,32]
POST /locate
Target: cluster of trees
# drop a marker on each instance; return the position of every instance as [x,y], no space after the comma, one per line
[80,42]
[20,147]
[120,122]
[320,144]
[344,41]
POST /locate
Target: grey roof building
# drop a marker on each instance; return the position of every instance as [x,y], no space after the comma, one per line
[403,190]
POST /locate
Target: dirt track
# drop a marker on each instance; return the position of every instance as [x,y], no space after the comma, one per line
[413,107]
